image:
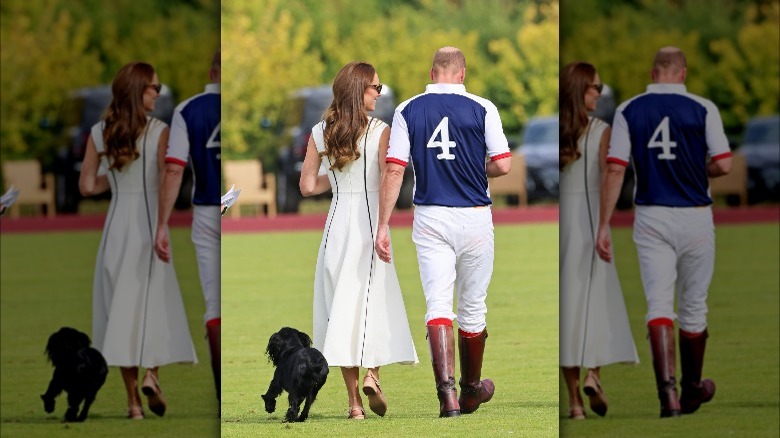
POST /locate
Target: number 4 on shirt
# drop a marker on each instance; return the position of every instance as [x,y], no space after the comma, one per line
[664,143]
[445,144]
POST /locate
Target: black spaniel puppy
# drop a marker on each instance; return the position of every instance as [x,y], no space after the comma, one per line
[79,370]
[300,370]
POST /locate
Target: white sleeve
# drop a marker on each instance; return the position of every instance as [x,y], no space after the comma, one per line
[400,146]
[178,142]
[717,143]
[620,141]
[495,139]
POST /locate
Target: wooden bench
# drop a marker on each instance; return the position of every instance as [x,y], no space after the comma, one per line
[34,187]
[257,189]
[733,183]
[513,183]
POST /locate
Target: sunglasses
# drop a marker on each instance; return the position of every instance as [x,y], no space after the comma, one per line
[377,87]
[597,87]
[157,87]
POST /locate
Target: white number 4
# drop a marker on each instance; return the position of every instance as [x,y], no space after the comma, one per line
[665,144]
[214,141]
[445,144]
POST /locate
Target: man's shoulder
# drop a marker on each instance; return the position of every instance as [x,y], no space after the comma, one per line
[205,97]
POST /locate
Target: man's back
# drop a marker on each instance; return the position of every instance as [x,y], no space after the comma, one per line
[449,132]
[201,123]
[670,133]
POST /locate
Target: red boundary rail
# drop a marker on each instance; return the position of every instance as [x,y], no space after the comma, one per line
[294,222]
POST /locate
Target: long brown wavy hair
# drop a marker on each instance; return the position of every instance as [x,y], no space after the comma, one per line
[573,83]
[346,118]
[125,117]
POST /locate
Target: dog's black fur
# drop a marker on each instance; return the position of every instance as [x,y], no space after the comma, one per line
[300,370]
[79,370]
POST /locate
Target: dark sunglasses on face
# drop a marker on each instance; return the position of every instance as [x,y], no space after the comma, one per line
[597,87]
[377,87]
[157,87]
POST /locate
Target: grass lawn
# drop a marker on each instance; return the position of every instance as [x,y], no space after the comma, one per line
[743,355]
[267,284]
[46,283]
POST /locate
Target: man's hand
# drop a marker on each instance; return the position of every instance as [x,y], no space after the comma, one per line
[382,244]
[162,245]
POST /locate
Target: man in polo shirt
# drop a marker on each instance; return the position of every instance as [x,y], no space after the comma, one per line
[195,136]
[455,141]
[676,141]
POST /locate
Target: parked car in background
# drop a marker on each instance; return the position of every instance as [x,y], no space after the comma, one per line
[83,108]
[539,148]
[299,113]
[761,148]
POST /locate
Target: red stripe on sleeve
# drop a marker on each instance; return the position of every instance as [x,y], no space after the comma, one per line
[396,161]
[175,161]
[722,156]
[617,161]
[501,156]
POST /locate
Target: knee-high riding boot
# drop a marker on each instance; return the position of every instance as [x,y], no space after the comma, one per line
[695,391]
[213,333]
[442,344]
[473,391]
[662,348]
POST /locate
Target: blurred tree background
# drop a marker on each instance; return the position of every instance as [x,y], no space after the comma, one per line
[272,47]
[48,48]
[732,46]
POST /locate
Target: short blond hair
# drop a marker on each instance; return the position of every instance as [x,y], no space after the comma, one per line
[449,59]
[669,59]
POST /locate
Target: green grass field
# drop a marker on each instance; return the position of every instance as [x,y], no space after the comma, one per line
[742,351]
[267,284]
[46,283]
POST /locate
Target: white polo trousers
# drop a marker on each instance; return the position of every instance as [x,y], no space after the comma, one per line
[676,249]
[206,235]
[455,249]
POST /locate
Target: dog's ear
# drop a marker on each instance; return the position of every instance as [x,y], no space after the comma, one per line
[305,339]
[274,348]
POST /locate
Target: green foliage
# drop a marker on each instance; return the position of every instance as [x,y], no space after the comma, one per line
[733,48]
[274,47]
[50,48]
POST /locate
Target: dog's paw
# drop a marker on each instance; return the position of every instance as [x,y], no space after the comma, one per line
[270,404]
[48,404]
[291,417]
[71,416]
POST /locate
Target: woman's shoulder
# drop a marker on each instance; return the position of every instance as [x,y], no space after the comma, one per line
[155,123]
[598,123]
[376,124]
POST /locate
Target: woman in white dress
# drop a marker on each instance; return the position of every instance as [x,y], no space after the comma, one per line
[138,317]
[359,314]
[594,327]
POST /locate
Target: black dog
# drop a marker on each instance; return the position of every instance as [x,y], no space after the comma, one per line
[79,370]
[300,370]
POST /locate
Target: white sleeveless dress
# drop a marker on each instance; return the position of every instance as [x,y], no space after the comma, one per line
[594,327]
[138,316]
[359,313]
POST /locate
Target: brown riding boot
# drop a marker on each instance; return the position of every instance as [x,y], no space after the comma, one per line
[442,344]
[662,349]
[473,391]
[213,334]
[695,391]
